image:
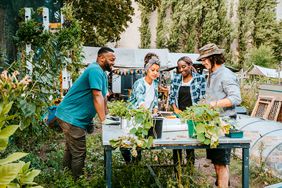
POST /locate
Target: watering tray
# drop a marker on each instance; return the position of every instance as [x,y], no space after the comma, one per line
[235,133]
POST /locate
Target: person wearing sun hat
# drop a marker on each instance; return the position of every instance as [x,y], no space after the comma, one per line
[222,91]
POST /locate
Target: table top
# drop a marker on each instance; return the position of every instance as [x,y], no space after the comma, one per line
[168,138]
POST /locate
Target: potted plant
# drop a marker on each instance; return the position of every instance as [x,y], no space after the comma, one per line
[204,124]
[121,110]
[141,121]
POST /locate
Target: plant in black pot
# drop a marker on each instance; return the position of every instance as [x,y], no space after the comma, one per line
[156,130]
[142,121]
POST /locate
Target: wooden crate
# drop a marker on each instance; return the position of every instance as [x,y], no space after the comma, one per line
[268,107]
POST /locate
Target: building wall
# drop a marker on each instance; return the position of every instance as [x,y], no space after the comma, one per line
[130,38]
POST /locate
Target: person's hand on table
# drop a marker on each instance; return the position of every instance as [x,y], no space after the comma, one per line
[177,111]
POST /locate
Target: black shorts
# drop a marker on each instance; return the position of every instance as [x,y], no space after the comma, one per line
[219,156]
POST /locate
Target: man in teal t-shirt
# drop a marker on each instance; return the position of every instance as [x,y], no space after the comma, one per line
[84,100]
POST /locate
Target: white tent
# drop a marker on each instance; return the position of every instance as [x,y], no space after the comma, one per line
[262,71]
[127,58]
[173,58]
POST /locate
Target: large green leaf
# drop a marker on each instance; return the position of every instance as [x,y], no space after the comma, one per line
[9,172]
[8,131]
[201,137]
[6,108]
[25,168]
[200,128]
[13,157]
[3,143]
[29,177]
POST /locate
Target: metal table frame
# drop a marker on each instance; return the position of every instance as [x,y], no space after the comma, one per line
[193,144]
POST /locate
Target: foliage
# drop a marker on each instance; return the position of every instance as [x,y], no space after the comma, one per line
[262,56]
[258,26]
[149,5]
[12,174]
[119,108]
[102,21]
[30,32]
[143,117]
[15,90]
[208,124]
[6,131]
[206,22]
[144,28]
[162,24]
[141,120]
[51,52]
[249,92]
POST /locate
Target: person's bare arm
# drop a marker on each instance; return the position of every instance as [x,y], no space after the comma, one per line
[99,104]
[221,103]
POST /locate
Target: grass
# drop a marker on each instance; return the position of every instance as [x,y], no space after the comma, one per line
[48,155]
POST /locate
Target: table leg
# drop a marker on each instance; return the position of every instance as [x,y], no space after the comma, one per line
[245,168]
[108,166]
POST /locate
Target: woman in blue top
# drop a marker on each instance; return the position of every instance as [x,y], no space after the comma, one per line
[145,94]
[145,89]
[187,89]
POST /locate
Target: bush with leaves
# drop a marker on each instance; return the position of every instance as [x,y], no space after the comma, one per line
[12,173]
[51,52]
[262,56]
[102,21]
[208,126]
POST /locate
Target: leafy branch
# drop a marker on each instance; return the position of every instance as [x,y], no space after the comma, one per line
[206,122]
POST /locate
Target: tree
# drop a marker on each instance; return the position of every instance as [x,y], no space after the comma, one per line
[102,21]
[262,56]
[193,24]
[258,26]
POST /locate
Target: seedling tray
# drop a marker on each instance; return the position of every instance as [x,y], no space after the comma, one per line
[235,133]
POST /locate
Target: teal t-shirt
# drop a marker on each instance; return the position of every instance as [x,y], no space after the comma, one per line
[77,107]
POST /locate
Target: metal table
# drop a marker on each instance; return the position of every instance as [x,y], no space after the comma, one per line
[175,140]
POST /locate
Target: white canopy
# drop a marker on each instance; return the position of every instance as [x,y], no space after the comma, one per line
[134,58]
[127,58]
[262,71]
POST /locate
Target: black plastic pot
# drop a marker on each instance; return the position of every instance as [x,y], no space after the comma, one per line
[156,130]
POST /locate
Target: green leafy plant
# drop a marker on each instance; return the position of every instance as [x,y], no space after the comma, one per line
[208,124]
[51,52]
[141,120]
[120,109]
[262,56]
[12,173]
